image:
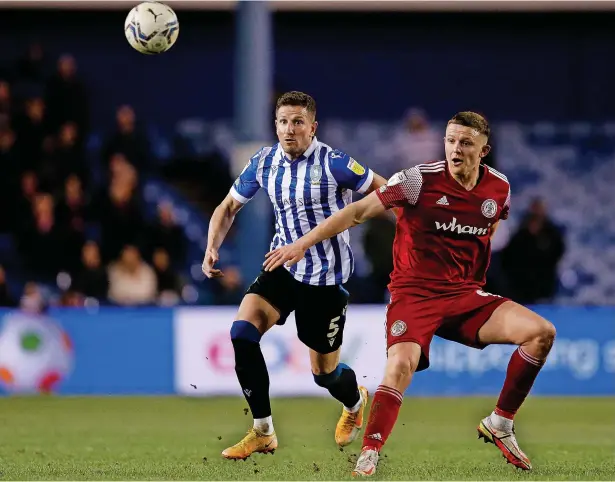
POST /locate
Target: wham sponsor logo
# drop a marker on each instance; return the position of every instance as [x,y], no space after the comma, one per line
[461,229]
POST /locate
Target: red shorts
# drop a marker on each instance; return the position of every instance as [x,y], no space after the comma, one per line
[454,316]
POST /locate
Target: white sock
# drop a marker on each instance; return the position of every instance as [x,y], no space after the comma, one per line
[356,406]
[501,423]
[264,425]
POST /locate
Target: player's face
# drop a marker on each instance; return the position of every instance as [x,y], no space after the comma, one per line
[295,128]
[464,148]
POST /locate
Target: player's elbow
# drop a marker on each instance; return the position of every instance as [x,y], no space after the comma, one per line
[221,212]
[358,220]
[366,208]
[358,216]
[229,207]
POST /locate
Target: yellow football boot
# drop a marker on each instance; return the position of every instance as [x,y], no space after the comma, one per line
[254,441]
[350,424]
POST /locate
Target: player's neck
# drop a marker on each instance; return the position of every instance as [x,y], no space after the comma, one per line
[469,179]
[293,157]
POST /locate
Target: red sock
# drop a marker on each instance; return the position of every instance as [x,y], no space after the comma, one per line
[382,417]
[520,375]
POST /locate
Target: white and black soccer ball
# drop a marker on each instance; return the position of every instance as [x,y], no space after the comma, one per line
[151,28]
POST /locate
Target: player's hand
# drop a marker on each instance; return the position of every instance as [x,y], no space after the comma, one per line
[211,258]
[286,255]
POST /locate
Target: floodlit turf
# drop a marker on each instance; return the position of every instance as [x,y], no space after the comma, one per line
[181,438]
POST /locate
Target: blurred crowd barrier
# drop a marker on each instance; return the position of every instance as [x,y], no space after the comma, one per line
[187,351]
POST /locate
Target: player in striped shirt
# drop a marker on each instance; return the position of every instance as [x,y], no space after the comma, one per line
[441,253]
[307,181]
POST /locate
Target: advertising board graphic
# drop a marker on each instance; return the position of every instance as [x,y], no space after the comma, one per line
[582,361]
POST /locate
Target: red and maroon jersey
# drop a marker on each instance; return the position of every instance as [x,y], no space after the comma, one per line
[442,241]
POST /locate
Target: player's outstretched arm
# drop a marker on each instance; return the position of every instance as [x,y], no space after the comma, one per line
[377,183]
[353,214]
[221,221]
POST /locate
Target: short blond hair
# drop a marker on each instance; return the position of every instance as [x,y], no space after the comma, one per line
[473,120]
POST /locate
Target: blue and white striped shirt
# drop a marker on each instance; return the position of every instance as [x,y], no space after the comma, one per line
[304,192]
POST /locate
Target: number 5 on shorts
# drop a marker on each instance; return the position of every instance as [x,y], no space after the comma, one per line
[334,328]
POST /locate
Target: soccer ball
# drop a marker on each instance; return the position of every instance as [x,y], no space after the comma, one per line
[151,28]
[35,354]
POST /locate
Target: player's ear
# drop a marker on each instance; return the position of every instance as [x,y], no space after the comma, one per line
[485,150]
[314,127]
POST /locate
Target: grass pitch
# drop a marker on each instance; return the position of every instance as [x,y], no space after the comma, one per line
[181,439]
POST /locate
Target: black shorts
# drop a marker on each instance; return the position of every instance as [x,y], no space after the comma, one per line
[320,311]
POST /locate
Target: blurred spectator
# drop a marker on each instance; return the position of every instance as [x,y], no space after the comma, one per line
[31,132]
[74,207]
[131,280]
[30,68]
[228,289]
[69,156]
[6,104]
[121,169]
[10,165]
[44,122]
[165,233]
[9,158]
[377,243]
[32,300]
[168,283]
[22,213]
[8,149]
[120,213]
[72,215]
[128,140]
[70,298]
[43,239]
[497,281]
[418,142]
[530,259]
[66,97]
[92,279]
[6,299]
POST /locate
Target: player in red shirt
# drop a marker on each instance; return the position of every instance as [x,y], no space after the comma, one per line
[450,210]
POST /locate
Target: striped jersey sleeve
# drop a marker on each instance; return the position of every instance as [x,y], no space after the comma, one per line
[402,188]
[246,185]
[348,173]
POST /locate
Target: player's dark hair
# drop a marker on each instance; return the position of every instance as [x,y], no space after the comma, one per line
[473,120]
[298,99]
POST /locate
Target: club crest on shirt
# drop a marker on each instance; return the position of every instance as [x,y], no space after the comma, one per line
[489,208]
[315,174]
[398,328]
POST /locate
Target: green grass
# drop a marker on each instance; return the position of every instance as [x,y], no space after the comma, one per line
[167,439]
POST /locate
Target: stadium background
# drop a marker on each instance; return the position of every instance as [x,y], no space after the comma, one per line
[386,79]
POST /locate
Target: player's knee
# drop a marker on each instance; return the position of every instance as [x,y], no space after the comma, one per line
[541,336]
[242,330]
[402,367]
[547,333]
[403,360]
[327,379]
